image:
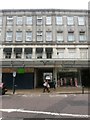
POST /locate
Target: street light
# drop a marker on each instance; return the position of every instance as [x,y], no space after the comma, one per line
[14,75]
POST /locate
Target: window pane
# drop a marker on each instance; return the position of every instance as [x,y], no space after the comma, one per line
[18,36]
[8,55]
[29,20]
[9,36]
[39,36]
[59,20]
[9,20]
[82,37]
[19,20]
[28,36]
[28,56]
[48,20]
[59,36]
[18,55]
[71,37]
[81,21]
[39,20]
[48,36]
[70,21]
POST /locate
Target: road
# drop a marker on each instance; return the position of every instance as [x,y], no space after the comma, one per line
[44,105]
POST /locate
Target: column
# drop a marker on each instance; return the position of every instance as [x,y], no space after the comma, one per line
[33,53]
[55,75]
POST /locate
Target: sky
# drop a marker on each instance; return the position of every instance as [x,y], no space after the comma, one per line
[44,4]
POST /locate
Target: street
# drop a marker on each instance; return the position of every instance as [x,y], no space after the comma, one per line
[44,105]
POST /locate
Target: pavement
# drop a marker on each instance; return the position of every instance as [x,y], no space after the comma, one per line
[58,90]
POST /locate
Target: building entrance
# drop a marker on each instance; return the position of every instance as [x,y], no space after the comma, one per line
[41,74]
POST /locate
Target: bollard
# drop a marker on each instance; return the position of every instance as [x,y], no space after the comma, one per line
[83,89]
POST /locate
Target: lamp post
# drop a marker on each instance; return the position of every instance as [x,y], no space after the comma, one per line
[14,75]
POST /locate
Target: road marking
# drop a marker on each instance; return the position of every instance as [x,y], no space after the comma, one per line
[58,95]
[32,95]
[45,113]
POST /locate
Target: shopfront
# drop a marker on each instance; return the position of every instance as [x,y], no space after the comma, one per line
[68,77]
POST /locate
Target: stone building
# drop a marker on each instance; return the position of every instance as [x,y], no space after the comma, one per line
[41,44]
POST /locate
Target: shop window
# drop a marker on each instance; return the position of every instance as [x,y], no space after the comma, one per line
[7,55]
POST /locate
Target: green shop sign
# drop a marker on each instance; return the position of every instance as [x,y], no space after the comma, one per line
[21,70]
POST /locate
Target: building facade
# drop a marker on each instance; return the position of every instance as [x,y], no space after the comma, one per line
[43,44]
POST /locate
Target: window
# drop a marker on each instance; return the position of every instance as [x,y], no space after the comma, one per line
[29,20]
[18,55]
[70,36]
[59,36]
[59,20]
[19,21]
[82,36]
[72,53]
[81,21]
[7,55]
[39,20]
[28,55]
[29,36]
[48,20]
[18,36]
[9,36]
[48,55]
[9,20]
[39,55]
[83,53]
[0,21]
[70,21]
[48,36]
[39,35]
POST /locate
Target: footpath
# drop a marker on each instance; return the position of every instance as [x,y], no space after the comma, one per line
[58,90]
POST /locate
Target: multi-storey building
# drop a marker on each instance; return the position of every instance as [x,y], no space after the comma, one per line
[41,44]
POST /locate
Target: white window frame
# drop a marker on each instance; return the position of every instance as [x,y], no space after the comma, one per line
[19,20]
[71,37]
[39,20]
[59,20]
[19,36]
[28,36]
[48,20]
[82,37]
[70,20]
[39,36]
[60,36]
[9,20]
[9,36]
[48,36]
[81,20]
[29,20]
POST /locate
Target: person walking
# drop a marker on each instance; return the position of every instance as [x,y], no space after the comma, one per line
[54,84]
[46,86]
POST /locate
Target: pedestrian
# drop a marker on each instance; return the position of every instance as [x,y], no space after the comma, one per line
[54,84]
[46,86]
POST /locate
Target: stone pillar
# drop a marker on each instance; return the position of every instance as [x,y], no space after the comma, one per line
[33,54]
[55,75]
